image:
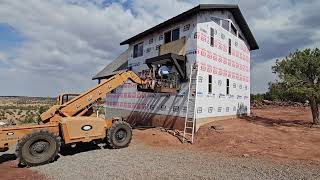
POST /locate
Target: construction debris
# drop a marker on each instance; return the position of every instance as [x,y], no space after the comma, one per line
[217,127]
[266,103]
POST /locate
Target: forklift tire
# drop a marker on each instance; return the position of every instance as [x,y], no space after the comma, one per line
[38,148]
[119,135]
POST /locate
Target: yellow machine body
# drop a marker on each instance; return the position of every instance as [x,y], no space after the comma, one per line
[10,135]
[84,129]
[70,118]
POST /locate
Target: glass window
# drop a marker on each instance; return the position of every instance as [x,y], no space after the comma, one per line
[225,24]
[138,50]
[210,85]
[216,20]
[172,35]
[167,37]
[229,50]
[228,87]
[233,30]
[175,34]
[212,37]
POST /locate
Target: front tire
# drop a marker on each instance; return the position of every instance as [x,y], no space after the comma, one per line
[119,135]
[38,148]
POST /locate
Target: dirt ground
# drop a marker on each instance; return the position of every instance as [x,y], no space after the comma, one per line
[281,133]
[10,171]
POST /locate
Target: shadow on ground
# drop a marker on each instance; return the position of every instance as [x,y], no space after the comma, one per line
[7,157]
[64,151]
[80,148]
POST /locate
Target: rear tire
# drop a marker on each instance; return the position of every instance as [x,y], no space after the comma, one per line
[119,135]
[38,148]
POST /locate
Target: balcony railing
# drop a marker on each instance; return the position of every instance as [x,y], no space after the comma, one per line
[176,47]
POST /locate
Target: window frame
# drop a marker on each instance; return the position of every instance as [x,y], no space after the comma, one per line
[136,50]
[230,46]
[228,87]
[171,35]
[233,29]
[210,83]
[223,24]
[212,32]
[176,30]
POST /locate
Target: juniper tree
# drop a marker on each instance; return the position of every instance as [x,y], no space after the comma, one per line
[300,72]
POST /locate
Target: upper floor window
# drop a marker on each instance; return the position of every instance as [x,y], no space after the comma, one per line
[225,24]
[172,35]
[233,30]
[230,44]
[212,37]
[138,50]
[216,20]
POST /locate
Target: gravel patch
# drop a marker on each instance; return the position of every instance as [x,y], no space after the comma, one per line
[141,162]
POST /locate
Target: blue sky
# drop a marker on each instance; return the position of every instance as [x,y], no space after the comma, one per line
[48,47]
[10,38]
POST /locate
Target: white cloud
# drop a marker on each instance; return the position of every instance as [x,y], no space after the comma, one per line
[3,56]
[68,41]
[261,75]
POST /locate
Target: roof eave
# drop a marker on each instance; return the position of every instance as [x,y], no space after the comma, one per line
[201,7]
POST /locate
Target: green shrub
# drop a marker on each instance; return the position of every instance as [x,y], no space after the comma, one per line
[29,119]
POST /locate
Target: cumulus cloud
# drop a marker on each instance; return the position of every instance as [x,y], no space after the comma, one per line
[261,75]
[68,41]
[3,56]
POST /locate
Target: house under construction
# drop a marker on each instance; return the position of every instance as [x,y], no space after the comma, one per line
[205,51]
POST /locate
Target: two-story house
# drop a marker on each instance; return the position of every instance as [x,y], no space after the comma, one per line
[214,37]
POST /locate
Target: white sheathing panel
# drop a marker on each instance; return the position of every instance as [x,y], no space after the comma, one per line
[127,97]
[217,62]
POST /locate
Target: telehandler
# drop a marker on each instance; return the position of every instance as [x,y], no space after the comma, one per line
[69,122]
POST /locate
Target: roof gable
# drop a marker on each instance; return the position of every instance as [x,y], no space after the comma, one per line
[234,9]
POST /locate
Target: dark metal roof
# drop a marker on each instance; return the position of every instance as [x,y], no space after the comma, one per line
[234,9]
[117,65]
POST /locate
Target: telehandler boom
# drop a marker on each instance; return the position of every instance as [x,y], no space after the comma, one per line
[69,122]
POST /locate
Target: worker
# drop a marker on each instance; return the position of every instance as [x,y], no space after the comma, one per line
[163,71]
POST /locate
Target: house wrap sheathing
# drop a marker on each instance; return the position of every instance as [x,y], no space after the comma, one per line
[219,41]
